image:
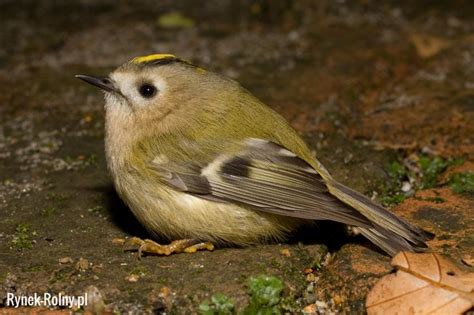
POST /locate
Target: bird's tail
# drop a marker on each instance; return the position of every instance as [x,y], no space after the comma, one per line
[389,232]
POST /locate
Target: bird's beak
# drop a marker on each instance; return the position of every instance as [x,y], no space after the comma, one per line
[105,83]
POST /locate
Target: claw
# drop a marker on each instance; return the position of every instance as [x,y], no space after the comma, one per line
[148,246]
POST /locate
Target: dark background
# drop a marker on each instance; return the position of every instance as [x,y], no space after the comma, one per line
[366,83]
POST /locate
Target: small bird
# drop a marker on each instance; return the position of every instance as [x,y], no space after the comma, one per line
[200,161]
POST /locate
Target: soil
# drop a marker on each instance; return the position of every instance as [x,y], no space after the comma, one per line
[365,83]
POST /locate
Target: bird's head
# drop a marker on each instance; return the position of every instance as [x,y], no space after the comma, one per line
[163,90]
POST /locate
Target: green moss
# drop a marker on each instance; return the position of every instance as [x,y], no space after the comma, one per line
[3,276]
[162,280]
[220,304]
[317,265]
[289,305]
[35,268]
[82,161]
[265,293]
[265,299]
[46,212]
[394,199]
[90,160]
[396,170]
[462,182]
[21,240]
[430,167]
[436,199]
[139,271]
[97,210]
[391,190]
[55,196]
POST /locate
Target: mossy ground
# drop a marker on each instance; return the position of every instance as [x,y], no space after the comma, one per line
[383,110]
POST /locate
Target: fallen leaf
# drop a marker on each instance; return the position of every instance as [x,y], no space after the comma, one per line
[175,20]
[285,252]
[468,260]
[82,264]
[310,309]
[428,46]
[310,277]
[308,270]
[424,283]
[164,292]
[338,299]
[65,260]
[97,268]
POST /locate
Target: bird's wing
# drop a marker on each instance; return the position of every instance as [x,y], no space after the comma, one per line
[264,176]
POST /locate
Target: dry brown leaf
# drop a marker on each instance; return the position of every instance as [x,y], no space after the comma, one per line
[468,260]
[427,46]
[423,284]
[82,264]
[65,260]
[310,309]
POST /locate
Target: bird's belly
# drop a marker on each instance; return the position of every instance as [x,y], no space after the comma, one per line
[177,215]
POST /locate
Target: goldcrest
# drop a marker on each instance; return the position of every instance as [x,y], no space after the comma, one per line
[196,156]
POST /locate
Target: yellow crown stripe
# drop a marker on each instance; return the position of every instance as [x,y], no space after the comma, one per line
[150,58]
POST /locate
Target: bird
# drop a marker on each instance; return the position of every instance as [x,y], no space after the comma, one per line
[200,162]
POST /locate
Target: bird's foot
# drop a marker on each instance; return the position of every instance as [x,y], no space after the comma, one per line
[151,247]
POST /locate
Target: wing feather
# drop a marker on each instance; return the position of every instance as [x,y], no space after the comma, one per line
[266,177]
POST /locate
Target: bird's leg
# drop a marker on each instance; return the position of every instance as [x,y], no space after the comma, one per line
[179,246]
[199,246]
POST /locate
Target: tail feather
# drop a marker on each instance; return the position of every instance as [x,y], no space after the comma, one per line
[388,241]
[389,232]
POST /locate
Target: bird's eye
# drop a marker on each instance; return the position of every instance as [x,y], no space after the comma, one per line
[147,90]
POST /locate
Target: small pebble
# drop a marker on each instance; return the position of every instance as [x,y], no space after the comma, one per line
[310,309]
[406,187]
[132,278]
[65,260]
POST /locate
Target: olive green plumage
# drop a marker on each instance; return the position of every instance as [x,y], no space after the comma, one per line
[195,155]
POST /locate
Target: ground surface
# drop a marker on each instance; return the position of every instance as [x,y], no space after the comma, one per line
[374,89]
